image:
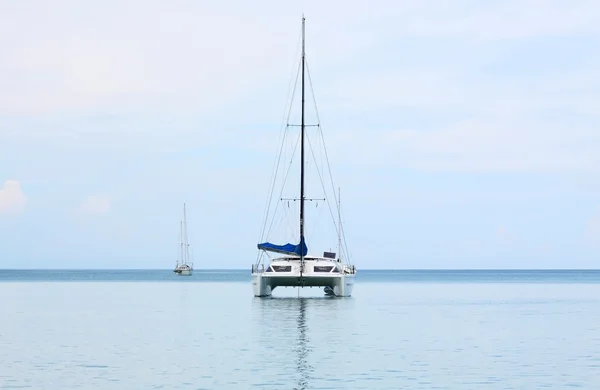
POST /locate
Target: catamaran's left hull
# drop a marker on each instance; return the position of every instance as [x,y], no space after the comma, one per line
[261,286]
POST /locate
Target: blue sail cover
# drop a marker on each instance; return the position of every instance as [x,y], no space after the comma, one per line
[287,249]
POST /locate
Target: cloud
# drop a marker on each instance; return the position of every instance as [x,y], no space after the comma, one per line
[95,205]
[184,57]
[169,75]
[493,20]
[12,198]
[474,146]
[192,56]
[479,146]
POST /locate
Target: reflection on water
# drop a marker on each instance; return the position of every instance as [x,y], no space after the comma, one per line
[390,336]
[285,317]
[302,349]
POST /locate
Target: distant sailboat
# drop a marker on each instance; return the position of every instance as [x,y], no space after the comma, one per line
[184,266]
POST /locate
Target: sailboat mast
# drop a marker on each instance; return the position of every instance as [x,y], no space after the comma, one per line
[302,153]
[181,243]
[339,225]
[187,255]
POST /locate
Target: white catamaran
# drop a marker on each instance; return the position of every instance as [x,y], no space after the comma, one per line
[184,266]
[296,268]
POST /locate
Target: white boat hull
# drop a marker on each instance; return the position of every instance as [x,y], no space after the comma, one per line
[183,270]
[341,283]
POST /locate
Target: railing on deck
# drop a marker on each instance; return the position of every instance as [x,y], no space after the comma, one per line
[351,269]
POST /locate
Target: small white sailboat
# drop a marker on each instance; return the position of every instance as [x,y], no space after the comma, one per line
[297,268]
[184,266]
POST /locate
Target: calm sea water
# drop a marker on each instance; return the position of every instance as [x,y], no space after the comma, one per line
[400,330]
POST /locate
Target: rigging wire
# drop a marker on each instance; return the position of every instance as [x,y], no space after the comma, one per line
[288,108]
[283,185]
[275,168]
[325,149]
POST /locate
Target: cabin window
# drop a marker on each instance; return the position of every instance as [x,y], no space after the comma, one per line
[269,269]
[322,268]
[281,268]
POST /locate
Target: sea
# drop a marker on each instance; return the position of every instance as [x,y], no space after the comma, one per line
[401,329]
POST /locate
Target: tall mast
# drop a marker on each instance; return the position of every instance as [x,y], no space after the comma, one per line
[187,254]
[181,243]
[302,154]
[339,225]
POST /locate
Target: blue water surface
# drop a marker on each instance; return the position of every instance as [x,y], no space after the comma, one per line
[152,329]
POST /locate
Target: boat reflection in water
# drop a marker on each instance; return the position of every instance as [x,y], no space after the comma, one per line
[284,326]
[302,367]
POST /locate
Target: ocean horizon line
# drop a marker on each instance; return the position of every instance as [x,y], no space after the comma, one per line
[364,269]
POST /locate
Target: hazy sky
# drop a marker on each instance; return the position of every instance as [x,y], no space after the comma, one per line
[464,134]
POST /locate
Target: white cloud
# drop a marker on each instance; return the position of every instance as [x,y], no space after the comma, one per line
[475,146]
[12,198]
[186,57]
[505,19]
[196,60]
[95,205]
[194,56]
[479,146]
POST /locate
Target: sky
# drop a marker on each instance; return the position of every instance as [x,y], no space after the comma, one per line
[463,134]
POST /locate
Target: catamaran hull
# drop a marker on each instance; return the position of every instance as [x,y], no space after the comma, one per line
[340,285]
[261,286]
[183,272]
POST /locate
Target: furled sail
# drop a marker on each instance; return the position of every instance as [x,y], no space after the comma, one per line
[287,249]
